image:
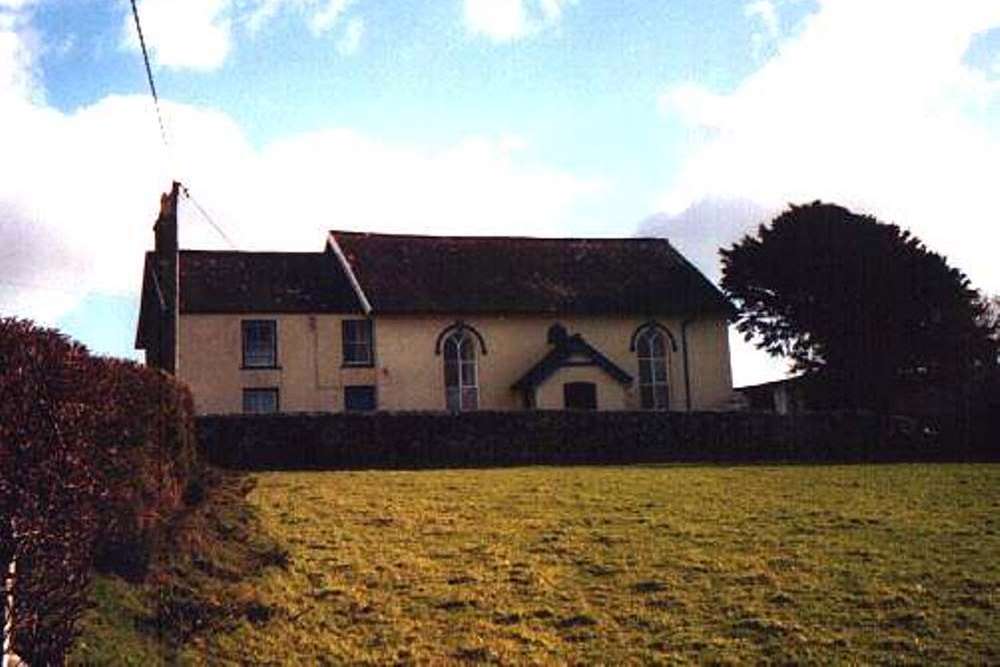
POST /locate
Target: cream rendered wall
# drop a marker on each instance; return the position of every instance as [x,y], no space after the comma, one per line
[611,394]
[410,376]
[309,376]
[708,364]
[413,377]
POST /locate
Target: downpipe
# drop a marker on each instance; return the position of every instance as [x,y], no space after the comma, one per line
[687,373]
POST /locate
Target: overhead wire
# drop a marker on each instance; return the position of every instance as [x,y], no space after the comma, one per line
[207,217]
[163,129]
[149,75]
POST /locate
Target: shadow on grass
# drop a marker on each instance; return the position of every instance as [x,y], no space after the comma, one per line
[199,583]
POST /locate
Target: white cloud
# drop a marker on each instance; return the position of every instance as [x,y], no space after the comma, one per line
[79,192]
[767,27]
[15,5]
[509,20]
[870,106]
[350,41]
[345,179]
[326,15]
[200,35]
[18,70]
[552,9]
[320,16]
[764,11]
[696,106]
[257,16]
[500,20]
[698,232]
[188,34]
[860,107]
[701,229]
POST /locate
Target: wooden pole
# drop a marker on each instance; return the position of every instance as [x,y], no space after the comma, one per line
[9,659]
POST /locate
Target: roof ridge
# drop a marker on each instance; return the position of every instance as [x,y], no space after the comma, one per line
[200,251]
[491,237]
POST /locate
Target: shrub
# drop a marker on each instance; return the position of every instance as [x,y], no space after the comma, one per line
[95,455]
[49,491]
[148,458]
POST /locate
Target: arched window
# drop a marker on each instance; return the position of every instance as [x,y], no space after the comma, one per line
[651,349]
[461,375]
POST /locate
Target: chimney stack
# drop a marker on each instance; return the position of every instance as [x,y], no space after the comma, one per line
[168,272]
[165,229]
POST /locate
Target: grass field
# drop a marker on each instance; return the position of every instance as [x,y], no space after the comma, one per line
[636,564]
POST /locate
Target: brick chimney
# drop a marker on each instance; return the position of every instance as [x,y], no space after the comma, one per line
[167,272]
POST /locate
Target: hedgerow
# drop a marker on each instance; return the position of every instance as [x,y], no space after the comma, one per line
[95,458]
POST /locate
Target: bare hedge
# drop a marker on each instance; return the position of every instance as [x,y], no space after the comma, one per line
[95,454]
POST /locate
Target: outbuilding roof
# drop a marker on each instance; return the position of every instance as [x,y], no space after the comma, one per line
[270,282]
[468,275]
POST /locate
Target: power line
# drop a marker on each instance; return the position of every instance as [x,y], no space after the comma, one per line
[163,129]
[207,217]
[149,75]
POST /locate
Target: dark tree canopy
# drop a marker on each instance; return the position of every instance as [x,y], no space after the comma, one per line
[861,306]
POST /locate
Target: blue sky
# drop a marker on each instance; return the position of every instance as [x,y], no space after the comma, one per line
[581,93]
[692,119]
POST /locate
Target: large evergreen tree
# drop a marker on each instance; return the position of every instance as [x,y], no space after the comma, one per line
[862,307]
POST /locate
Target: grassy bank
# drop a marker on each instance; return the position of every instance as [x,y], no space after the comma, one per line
[859,563]
[202,581]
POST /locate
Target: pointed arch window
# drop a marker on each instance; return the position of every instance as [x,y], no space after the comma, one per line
[461,373]
[651,350]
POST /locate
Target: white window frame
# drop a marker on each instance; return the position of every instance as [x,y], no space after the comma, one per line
[459,341]
[255,359]
[358,334]
[646,355]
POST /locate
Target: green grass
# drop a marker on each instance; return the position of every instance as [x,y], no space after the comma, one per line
[637,564]
[202,581]
[112,634]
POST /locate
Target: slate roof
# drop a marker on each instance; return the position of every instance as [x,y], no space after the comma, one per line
[450,275]
[475,275]
[272,282]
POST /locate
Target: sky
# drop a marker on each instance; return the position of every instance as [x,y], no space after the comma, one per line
[684,118]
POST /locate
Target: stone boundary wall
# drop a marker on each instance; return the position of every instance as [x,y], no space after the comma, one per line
[411,440]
